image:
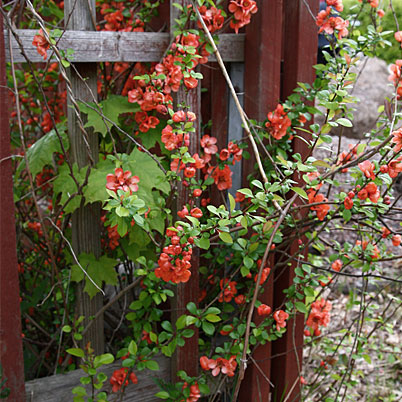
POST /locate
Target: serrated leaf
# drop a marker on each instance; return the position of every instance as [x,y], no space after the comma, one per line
[301,307]
[106,358]
[101,271]
[112,108]
[132,348]
[65,185]
[152,365]
[41,152]
[301,192]
[226,237]
[212,318]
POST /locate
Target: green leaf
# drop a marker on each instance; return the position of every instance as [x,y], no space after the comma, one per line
[65,185]
[226,237]
[192,308]
[163,394]
[112,108]
[232,203]
[106,358]
[344,122]
[301,192]
[100,271]
[152,365]
[41,152]
[204,243]
[76,352]
[132,348]
[301,307]
[208,328]
[212,318]
[248,262]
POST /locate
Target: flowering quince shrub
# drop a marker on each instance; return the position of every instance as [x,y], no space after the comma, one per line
[149,240]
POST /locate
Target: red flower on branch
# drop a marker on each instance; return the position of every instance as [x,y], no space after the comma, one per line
[121,180]
[278,122]
[119,379]
[41,44]
[280,317]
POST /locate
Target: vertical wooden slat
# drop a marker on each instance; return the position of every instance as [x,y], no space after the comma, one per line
[299,55]
[186,357]
[219,117]
[11,357]
[263,48]
[86,220]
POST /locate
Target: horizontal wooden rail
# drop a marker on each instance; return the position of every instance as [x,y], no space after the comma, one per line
[116,46]
[57,388]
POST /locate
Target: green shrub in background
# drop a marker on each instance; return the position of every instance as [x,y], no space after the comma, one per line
[389,53]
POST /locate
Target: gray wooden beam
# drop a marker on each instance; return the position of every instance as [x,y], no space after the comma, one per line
[58,388]
[93,46]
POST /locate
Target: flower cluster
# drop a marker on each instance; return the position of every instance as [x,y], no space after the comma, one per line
[319,316]
[278,122]
[228,290]
[119,18]
[280,317]
[175,261]
[321,208]
[212,17]
[227,367]
[330,24]
[195,393]
[121,180]
[242,11]
[119,379]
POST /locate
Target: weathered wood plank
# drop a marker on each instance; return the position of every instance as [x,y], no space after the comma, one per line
[92,46]
[84,151]
[58,388]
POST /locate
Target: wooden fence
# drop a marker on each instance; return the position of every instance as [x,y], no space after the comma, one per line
[277,51]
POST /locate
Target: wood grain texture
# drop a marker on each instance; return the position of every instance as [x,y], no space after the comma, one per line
[299,55]
[11,357]
[58,388]
[86,220]
[92,46]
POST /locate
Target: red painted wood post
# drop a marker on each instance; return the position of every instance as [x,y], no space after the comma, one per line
[186,357]
[263,48]
[11,357]
[299,55]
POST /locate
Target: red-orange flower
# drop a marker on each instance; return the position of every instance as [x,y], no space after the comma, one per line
[397,140]
[264,310]
[319,315]
[337,265]
[223,177]
[41,44]
[367,168]
[278,122]
[122,181]
[119,378]
[280,317]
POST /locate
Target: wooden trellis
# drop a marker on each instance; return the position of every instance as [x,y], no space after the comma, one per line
[277,51]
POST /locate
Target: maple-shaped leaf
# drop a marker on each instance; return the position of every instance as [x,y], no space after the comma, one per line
[41,152]
[112,108]
[100,271]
